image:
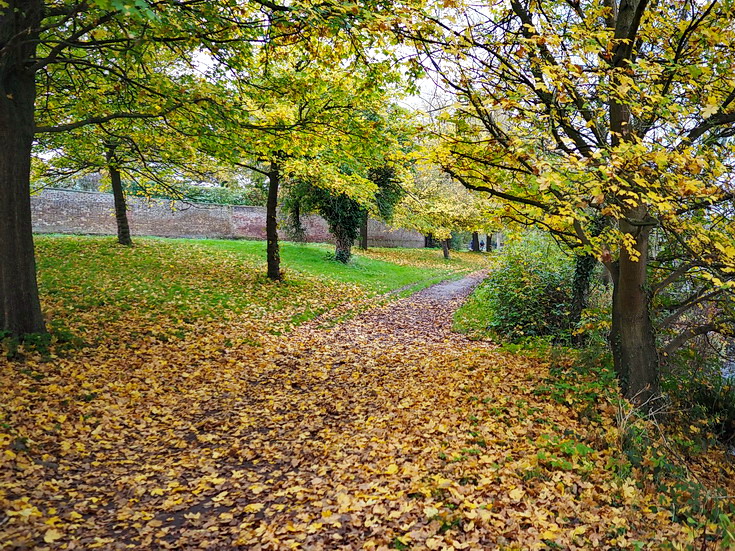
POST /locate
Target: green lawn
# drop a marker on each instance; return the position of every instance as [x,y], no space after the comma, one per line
[93,289]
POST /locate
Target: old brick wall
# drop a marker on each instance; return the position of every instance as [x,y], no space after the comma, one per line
[82,212]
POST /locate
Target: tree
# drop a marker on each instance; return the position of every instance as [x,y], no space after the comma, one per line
[59,44]
[144,147]
[44,43]
[613,110]
[20,309]
[146,153]
[309,116]
[342,213]
[389,194]
[435,205]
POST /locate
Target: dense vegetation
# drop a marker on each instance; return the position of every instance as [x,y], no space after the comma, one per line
[527,294]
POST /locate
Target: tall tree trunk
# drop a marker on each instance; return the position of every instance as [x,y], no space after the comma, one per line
[271,223]
[632,338]
[364,231]
[475,241]
[20,308]
[121,208]
[445,247]
[429,241]
[343,248]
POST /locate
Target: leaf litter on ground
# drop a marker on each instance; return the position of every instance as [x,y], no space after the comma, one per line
[385,431]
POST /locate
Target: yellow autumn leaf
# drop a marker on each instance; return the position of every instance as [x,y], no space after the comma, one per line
[517,493]
[52,535]
[431,512]
[253,507]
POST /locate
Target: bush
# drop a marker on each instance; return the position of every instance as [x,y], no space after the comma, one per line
[703,399]
[528,292]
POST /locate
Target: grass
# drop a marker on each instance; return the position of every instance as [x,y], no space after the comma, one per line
[381,270]
[94,290]
[471,318]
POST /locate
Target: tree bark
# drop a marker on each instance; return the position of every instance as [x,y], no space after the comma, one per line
[632,338]
[445,247]
[271,223]
[475,241]
[118,194]
[20,308]
[343,249]
[429,241]
[364,232]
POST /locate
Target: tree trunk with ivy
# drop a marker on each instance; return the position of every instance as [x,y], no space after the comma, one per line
[343,248]
[583,267]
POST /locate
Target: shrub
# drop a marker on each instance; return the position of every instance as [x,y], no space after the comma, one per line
[528,293]
[703,399]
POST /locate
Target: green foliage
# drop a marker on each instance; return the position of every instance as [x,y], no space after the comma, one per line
[389,192]
[139,9]
[460,240]
[704,400]
[581,379]
[527,294]
[342,213]
[585,381]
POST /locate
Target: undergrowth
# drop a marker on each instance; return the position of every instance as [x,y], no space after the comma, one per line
[671,452]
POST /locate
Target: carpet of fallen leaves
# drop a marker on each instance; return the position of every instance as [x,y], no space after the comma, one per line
[384,431]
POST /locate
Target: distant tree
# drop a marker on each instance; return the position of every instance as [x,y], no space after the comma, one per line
[307,116]
[435,206]
[476,241]
[345,213]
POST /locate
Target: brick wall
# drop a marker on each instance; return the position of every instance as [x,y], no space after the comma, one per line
[83,212]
